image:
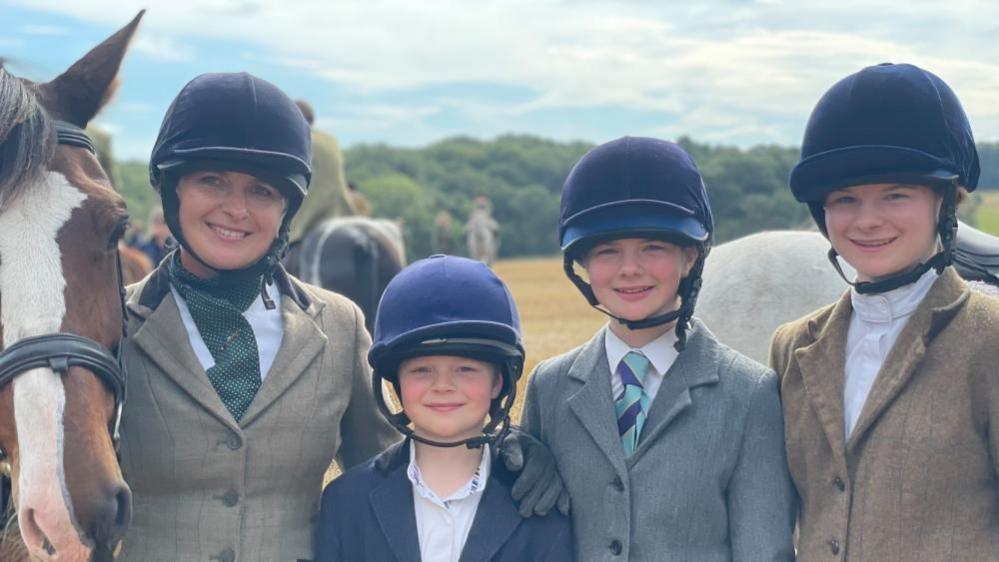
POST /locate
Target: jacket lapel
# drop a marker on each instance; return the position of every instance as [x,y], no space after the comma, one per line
[163,337]
[938,308]
[695,366]
[301,342]
[496,519]
[392,504]
[822,365]
[593,404]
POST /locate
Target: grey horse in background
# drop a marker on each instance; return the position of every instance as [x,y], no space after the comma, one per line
[754,284]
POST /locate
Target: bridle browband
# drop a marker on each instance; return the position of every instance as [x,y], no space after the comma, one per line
[61,350]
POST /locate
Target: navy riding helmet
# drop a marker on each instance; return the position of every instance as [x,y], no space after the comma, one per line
[888,123]
[446,305]
[234,121]
[637,187]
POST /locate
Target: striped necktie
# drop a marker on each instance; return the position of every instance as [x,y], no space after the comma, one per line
[633,404]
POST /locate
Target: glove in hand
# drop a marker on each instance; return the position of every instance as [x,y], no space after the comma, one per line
[539,486]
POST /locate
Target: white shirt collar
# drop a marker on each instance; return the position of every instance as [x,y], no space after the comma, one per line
[475,485]
[660,351]
[898,303]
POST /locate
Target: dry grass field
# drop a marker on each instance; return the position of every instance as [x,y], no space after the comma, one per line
[554,317]
[987,214]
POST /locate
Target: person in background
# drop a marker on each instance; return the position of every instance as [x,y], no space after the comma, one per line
[328,196]
[158,243]
[442,237]
[361,203]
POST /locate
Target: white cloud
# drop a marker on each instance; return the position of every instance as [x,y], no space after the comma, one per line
[722,69]
[50,30]
[162,47]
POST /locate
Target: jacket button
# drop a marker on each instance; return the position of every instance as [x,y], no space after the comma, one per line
[226,555]
[234,442]
[616,547]
[618,484]
[840,485]
[230,498]
[834,546]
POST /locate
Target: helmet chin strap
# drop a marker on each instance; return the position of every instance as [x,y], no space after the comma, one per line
[946,230]
[493,432]
[937,262]
[690,287]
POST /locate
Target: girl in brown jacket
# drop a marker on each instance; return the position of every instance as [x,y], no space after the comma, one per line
[890,395]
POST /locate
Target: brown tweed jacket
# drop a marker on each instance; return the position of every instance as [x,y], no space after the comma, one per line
[207,488]
[917,480]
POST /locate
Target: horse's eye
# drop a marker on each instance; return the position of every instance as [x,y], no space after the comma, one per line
[117,233]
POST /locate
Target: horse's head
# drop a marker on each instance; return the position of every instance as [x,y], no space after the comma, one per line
[60,221]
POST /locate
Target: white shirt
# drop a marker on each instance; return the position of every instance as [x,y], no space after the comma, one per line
[268,329]
[660,353]
[875,324]
[443,524]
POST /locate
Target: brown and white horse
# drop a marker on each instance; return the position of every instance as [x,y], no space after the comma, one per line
[60,222]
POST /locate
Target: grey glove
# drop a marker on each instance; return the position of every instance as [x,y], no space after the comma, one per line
[539,486]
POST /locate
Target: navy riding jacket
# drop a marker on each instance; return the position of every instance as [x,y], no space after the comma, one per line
[368,514]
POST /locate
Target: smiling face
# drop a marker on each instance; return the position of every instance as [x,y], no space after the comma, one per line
[448,397]
[883,229]
[230,219]
[637,278]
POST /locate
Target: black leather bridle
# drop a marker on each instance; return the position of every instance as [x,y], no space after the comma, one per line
[62,350]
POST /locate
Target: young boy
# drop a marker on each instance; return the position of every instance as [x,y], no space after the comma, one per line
[671,445]
[447,336]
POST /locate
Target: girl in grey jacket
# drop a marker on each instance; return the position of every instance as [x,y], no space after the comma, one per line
[671,445]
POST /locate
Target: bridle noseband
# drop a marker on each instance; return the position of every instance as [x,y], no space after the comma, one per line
[61,350]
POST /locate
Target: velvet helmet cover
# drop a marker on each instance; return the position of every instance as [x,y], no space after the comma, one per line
[233,121]
[447,305]
[885,123]
[634,186]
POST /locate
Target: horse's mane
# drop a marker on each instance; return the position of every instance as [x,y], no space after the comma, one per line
[27,138]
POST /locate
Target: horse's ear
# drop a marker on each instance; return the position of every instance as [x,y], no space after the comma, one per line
[79,93]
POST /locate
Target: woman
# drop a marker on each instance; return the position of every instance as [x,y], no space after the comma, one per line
[229,466]
[890,397]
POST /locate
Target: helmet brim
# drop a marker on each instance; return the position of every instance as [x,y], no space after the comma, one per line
[639,221]
[259,163]
[816,176]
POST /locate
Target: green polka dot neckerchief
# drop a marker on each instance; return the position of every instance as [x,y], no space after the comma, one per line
[217,309]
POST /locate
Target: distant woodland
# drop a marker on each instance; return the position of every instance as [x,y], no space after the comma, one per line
[523,176]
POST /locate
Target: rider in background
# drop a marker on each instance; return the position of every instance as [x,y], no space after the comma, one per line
[890,395]
[328,194]
[671,445]
[360,202]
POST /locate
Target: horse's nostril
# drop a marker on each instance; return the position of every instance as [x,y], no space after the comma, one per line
[48,548]
[114,520]
[33,533]
[124,513]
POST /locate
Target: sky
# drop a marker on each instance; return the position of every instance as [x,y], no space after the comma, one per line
[408,73]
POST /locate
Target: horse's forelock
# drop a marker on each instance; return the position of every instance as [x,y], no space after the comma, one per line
[27,140]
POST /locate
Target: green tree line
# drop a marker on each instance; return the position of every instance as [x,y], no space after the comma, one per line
[523,176]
